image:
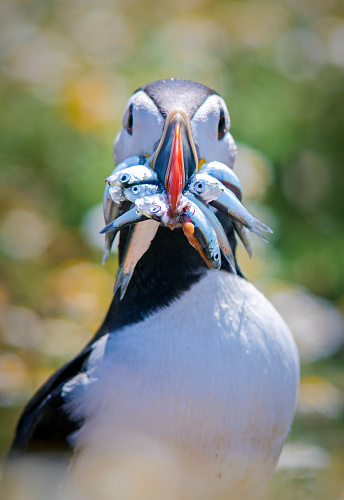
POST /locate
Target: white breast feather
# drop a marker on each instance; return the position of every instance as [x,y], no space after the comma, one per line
[204,390]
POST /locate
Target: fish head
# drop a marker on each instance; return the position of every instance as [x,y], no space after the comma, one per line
[116,194]
[154,207]
[141,190]
[205,186]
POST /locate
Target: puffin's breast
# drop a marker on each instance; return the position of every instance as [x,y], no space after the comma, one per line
[211,380]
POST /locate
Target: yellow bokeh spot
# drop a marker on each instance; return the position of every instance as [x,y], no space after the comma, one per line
[88,103]
[82,292]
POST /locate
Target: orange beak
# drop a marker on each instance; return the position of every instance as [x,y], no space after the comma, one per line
[175,176]
[175,159]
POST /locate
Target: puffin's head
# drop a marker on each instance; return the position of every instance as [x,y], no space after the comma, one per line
[174,160]
[181,124]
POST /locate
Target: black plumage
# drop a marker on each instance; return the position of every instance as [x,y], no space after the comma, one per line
[184,94]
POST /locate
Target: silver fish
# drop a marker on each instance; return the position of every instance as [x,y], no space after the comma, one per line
[127,219]
[114,192]
[201,234]
[220,233]
[224,174]
[209,189]
[138,242]
[113,196]
[131,162]
[137,174]
[155,207]
[205,187]
[110,210]
[141,190]
[228,203]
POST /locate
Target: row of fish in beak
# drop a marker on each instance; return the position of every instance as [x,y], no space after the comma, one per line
[214,185]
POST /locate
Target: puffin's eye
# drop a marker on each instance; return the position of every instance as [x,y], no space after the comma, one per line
[135,189]
[130,120]
[222,125]
[124,178]
[155,209]
[199,187]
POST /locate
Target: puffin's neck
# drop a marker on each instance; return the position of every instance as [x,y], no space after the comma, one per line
[169,268]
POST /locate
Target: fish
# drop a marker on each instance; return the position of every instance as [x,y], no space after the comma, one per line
[137,174]
[141,190]
[131,162]
[205,187]
[201,234]
[110,210]
[116,194]
[155,207]
[127,219]
[229,204]
[113,197]
[139,239]
[220,232]
[209,189]
[225,175]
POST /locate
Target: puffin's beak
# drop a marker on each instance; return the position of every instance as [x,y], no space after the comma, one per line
[175,160]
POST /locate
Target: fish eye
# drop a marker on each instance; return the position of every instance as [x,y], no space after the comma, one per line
[216,256]
[129,126]
[155,209]
[222,129]
[124,178]
[199,187]
[135,189]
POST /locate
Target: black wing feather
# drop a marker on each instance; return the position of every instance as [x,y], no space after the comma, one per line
[44,424]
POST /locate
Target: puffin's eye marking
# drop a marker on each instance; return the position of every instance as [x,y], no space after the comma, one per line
[199,187]
[135,189]
[155,209]
[222,129]
[130,120]
[124,178]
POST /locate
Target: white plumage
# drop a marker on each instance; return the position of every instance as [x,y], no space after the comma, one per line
[212,379]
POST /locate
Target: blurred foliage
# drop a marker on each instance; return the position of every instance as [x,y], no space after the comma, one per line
[67,69]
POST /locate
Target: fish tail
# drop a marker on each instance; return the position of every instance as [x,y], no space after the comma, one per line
[106,254]
[258,232]
[260,225]
[108,244]
[119,279]
[230,259]
[125,283]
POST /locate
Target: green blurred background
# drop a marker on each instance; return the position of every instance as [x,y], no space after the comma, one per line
[67,69]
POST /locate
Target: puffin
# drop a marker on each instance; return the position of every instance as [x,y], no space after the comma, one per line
[193,370]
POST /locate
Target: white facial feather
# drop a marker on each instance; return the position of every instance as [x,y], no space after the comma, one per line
[204,127]
[148,125]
